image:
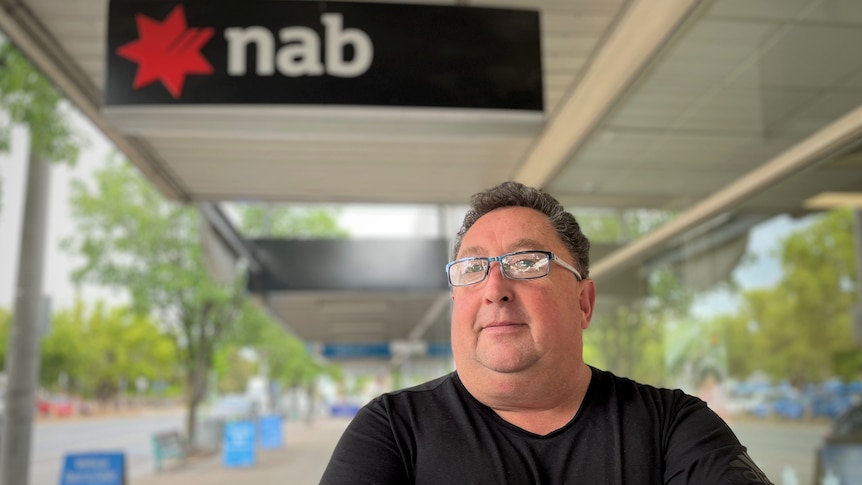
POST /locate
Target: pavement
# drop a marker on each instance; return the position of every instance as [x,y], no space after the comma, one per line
[302,459]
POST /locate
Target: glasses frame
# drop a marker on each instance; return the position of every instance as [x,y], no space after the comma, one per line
[499,259]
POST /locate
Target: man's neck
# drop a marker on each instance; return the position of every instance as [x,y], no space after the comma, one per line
[538,404]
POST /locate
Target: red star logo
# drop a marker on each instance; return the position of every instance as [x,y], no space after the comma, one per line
[167,51]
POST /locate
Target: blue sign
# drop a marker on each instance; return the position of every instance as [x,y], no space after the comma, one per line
[239,437]
[355,351]
[104,468]
[439,349]
[344,409]
[271,432]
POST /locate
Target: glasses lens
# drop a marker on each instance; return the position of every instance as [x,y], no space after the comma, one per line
[523,266]
[467,272]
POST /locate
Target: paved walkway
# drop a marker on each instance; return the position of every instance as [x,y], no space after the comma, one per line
[301,461]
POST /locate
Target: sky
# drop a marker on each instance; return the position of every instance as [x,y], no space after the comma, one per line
[361,221]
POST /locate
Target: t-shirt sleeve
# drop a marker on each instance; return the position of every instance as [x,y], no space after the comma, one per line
[367,452]
[702,449]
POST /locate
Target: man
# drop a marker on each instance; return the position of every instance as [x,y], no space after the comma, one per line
[522,406]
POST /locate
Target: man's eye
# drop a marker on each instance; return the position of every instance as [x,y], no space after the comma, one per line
[474,268]
[524,263]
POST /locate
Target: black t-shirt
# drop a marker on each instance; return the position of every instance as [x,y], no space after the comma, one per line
[624,433]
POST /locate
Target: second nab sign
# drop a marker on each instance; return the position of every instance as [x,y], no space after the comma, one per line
[304,52]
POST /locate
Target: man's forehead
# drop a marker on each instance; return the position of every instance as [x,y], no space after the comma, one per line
[510,228]
[516,245]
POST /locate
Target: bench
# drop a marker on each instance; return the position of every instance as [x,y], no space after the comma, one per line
[168,444]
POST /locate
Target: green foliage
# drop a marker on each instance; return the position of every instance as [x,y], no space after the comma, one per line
[30,99]
[129,237]
[669,299]
[848,363]
[101,348]
[740,343]
[287,358]
[284,221]
[805,319]
[628,342]
[233,369]
[629,338]
[800,329]
[5,324]
[603,226]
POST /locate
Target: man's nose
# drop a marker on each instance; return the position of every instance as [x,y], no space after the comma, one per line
[498,288]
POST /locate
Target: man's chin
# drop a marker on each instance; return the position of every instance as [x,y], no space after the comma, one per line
[506,361]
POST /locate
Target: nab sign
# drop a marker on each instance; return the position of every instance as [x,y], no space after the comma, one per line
[305,52]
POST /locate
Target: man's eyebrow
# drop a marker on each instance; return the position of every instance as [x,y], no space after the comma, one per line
[526,243]
[470,252]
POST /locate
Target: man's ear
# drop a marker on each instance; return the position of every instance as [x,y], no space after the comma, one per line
[587,301]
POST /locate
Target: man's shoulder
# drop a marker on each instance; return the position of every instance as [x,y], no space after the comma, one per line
[426,399]
[432,385]
[441,385]
[607,383]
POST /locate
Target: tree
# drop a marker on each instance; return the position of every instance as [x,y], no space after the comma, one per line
[628,339]
[130,237]
[100,350]
[800,329]
[288,360]
[286,221]
[27,98]
[804,321]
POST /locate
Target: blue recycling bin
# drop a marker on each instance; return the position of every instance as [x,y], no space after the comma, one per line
[271,432]
[238,449]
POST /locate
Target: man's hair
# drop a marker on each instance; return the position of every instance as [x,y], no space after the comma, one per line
[514,194]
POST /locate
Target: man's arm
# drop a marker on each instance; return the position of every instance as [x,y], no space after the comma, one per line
[702,449]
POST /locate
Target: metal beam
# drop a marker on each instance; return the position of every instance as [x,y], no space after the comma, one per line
[810,151]
[637,38]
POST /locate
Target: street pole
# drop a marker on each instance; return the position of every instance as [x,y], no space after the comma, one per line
[22,356]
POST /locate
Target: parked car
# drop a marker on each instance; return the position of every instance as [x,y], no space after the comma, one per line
[840,455]
[57,406]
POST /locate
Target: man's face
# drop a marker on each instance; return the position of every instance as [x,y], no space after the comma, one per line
[507,325]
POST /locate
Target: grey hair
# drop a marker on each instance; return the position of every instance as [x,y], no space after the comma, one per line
[514,194]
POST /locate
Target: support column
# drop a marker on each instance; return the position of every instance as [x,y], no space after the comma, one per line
[22,357]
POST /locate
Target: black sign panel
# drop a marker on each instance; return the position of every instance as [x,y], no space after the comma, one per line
[350,265]
[323,53]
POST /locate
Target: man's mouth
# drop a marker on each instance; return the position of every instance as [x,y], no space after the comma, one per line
[499,327]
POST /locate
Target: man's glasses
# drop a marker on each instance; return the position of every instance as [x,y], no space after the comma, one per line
[520,265]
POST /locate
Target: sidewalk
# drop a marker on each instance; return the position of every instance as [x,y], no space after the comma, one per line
[301,461]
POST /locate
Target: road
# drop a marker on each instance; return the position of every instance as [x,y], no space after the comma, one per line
[779,447]
[53,439]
